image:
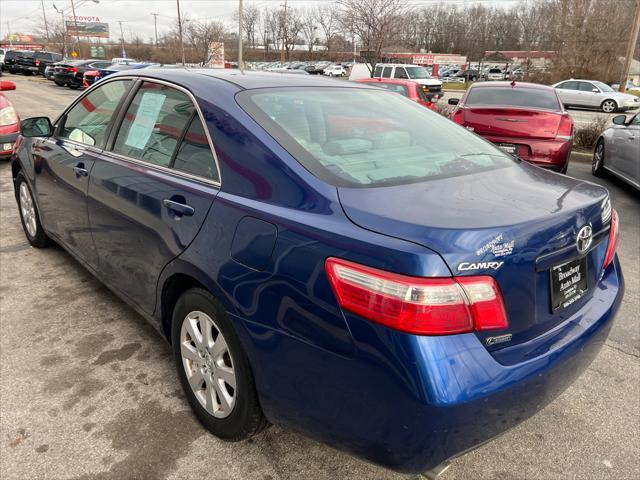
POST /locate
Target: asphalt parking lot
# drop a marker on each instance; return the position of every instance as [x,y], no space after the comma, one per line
[88,389]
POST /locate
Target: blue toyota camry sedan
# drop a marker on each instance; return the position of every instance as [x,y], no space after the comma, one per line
[328,256]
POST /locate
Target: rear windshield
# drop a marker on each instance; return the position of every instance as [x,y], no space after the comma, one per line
[513,97]
[363,137]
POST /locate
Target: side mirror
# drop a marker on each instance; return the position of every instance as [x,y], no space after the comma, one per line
[453,101]
[36,127]
[7,85]
[619,119]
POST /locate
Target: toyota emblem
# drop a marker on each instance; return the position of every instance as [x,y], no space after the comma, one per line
[584,239]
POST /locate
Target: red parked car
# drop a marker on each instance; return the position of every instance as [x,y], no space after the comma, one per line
[524,119]
[9,122]
[410,89]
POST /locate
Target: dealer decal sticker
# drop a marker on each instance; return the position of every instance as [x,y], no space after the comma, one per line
[497,247]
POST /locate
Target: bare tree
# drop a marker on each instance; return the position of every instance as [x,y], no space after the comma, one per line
[309,28]
[290,28]
[200,35]
[327,17]
[376,23]
[250,23]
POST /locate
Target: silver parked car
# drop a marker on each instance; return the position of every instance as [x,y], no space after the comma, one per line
[618,150]
[594,94]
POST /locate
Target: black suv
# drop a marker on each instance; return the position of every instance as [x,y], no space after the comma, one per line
[10,60]
[35,62]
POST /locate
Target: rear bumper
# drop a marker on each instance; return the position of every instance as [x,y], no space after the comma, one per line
[7,138]
[552,154]
[411,402]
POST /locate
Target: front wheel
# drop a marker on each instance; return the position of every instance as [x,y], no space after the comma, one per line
[213,368]
[73,86]
[609,106]
[597,165]
[29,215]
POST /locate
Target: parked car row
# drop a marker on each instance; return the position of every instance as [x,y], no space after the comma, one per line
[28,62]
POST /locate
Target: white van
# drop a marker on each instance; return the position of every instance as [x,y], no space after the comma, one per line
[408,72]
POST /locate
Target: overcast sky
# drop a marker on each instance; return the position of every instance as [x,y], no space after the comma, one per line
[24,15]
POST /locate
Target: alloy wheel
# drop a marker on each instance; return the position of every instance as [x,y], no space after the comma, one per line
[208,364]
[27,210]
[609,106]
[598,156]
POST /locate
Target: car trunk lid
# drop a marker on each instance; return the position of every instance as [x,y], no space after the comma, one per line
[512,122]
[485,226]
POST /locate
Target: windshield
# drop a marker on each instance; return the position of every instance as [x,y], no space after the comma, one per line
[364,137]
[603,87]
[513,97]
[417,72]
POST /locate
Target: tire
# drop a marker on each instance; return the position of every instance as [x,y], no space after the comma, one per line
[60,84]
[73,86]
[609,106]
[29,215]
[242,416]
[597,164]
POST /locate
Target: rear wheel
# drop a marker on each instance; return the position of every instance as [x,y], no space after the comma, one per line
[609,106]
[60,84]
[597,165]
[73,86]
[29,215]
[213,368]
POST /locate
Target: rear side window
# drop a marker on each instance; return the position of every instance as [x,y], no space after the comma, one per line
[513,97]
[401,89]
[569,86]
[87,121]
[377,72]
[154,124]
[386,73]
[194,154]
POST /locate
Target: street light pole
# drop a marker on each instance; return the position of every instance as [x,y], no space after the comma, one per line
[633,40]
[75,23]
[155,26]
[44,16]
[240,34]
[180,32]
[64,31]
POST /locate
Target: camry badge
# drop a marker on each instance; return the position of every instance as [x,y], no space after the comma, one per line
[584,239]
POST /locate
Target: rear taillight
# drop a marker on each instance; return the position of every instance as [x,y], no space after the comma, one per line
[418,305]
[613,239]
[458,116]
[72,70]
[37,63]
[565,130]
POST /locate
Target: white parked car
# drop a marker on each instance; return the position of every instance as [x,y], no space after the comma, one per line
[335,71]
[495,74]
[594,94]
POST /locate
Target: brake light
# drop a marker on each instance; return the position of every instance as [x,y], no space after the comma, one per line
[37,63]
[613,239]
[458,116]
[565,130]
[72,70]
[418,305]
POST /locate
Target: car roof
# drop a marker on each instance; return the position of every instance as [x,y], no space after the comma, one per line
[398,81]
[516,84]
[241,78]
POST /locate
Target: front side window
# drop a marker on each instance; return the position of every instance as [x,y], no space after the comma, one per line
[417,73]
[400,73]
[513,97]
[359,137]
[87,121]
[154,123]
[586,87]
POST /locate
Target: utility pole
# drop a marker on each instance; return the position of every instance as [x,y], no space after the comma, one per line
[44,16]
[155,26]
[75,23]
[9,33]
[180,31]
[284,32]
[123,53]
[240,34]
[633,40]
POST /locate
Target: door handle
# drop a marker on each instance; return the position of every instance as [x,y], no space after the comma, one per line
[179,208]
[80,170]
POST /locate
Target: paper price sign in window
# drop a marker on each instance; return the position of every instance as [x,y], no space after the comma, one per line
[145,121]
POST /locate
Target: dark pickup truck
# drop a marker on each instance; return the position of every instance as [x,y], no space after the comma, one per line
[31,63]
